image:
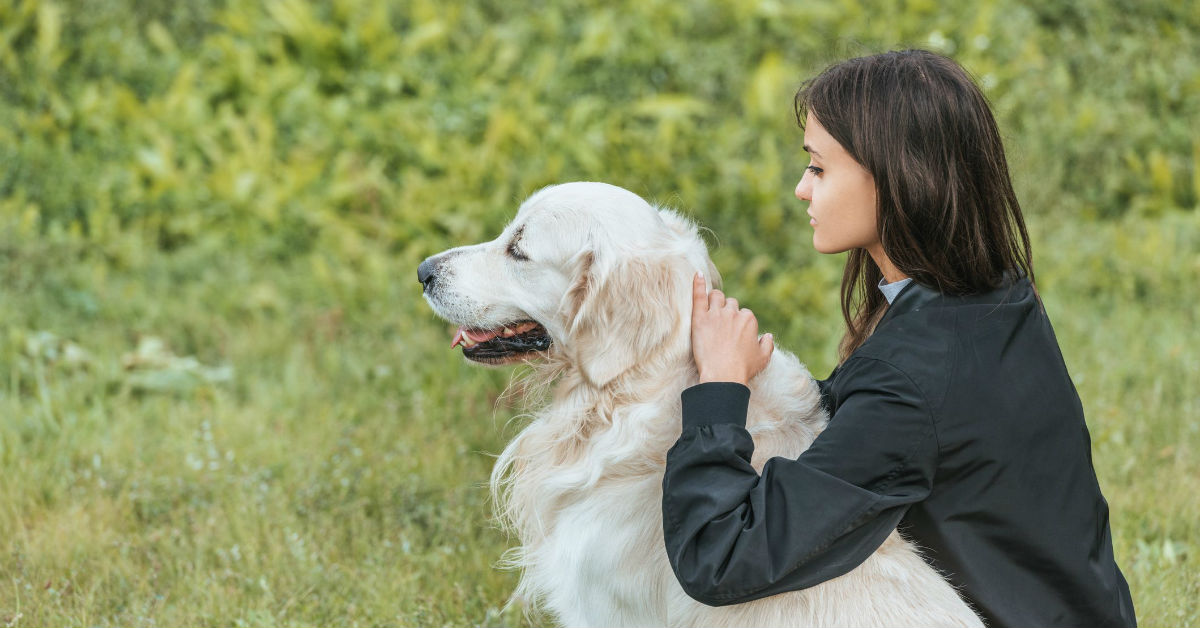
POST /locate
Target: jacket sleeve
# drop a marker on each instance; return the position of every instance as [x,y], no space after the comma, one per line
[733,536]
[823,386]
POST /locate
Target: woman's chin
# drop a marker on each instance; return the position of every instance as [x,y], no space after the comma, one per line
[824,247]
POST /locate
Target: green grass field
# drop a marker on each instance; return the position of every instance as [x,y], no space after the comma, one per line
[224,402]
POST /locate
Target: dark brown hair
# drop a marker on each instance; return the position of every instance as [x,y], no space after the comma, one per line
[947,216]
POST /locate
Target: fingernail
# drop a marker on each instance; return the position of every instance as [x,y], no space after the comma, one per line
[700,274]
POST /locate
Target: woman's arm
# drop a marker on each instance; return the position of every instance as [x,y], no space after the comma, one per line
[734,536]
[823,388]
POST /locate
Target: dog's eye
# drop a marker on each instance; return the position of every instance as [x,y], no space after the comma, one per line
[516,254]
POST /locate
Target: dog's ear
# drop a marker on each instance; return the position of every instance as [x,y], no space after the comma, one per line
[620,312]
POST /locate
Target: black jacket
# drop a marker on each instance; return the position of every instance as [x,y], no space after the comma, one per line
[956,422]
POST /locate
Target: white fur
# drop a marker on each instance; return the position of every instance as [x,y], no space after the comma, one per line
[609,277]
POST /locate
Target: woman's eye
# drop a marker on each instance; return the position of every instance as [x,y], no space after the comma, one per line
[815,170]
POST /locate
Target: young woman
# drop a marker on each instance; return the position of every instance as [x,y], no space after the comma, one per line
[952,416]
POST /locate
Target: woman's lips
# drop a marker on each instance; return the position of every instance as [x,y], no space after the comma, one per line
[811,220]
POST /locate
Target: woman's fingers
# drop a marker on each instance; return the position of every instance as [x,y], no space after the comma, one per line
[767,344]
[726,345]
[699,294]
[709,300]
[716,299]
[751,320]
[703,299]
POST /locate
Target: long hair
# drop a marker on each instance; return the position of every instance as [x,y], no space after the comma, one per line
[947,215]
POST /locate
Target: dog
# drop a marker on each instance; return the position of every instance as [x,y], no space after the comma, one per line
[592,287]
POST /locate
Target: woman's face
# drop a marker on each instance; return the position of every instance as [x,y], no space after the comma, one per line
[840,193]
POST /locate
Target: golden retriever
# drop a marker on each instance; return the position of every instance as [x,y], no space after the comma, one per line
[591,285]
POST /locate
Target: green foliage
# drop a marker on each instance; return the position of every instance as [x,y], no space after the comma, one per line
[224,400]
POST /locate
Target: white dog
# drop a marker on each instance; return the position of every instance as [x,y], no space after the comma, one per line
[595,284]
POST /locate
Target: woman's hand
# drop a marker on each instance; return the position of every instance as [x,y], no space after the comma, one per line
[725,341]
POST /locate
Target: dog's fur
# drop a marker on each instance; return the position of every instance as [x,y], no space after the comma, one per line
[609,278]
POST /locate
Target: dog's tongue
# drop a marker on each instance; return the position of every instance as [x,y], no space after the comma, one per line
[473,336]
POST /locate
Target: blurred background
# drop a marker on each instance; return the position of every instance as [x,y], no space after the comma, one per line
[223,401]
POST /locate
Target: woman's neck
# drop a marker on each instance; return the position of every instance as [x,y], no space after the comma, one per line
[889,270]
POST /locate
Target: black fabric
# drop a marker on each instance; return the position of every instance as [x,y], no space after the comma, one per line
[957,423]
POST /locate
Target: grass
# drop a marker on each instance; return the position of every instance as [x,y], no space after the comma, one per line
[338,477]
[321,485]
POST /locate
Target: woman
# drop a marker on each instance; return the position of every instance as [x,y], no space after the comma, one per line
[952,416]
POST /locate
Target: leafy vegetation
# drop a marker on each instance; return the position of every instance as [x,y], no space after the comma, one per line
[223,401]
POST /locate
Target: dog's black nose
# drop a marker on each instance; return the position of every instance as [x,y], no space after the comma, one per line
[425,272]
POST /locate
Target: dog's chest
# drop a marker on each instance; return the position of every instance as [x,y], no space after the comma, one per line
[603,563]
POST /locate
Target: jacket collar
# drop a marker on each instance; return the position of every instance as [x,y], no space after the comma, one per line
[913,297]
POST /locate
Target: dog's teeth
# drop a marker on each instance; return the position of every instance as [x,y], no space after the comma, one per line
[508,333]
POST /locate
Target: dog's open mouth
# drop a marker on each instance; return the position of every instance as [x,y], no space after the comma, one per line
[510,343]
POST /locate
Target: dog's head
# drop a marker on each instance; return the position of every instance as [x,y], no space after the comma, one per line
[588,270]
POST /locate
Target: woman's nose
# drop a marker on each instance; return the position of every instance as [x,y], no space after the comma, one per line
[804,190]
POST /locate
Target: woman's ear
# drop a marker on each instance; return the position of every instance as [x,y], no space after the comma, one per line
[622,312]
